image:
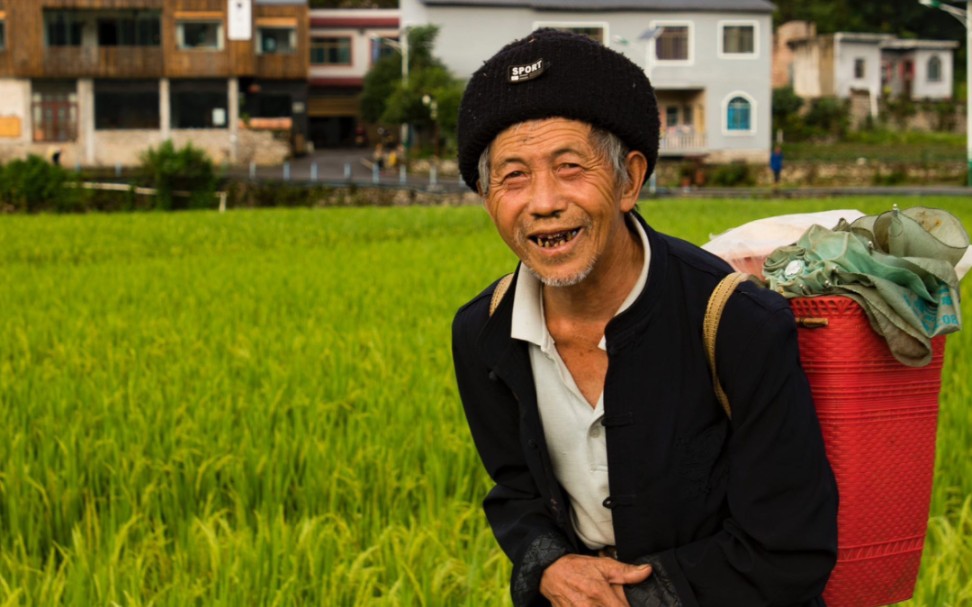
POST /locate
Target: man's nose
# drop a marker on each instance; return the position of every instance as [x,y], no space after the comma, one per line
[546,199]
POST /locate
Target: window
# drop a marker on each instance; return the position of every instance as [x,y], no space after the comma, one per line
[277,40]
[382,47]
[739,115]
[739,39]
[934,69]
[860,68]
[330,51]
[129,28]
[671,116]
[202,35]
[3,34]
[274,105]
[63,28]
[672,44]
[129,104]
[54,105]
[199,104]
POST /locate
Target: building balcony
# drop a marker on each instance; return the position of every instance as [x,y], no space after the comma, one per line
[677,142]
[103,62]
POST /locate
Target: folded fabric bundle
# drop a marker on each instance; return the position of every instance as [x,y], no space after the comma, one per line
[899,266]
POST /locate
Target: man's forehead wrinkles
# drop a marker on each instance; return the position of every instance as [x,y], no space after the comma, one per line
[514,159]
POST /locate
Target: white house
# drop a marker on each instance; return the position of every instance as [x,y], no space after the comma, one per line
[920,69]
[709,60]
[844,64]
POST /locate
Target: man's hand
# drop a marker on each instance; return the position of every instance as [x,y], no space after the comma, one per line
[587,581]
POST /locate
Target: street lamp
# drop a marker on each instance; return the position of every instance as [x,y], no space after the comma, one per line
[402,49]
[965,17]
[433,105]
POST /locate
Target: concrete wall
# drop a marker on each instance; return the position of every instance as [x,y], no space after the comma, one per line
[783,54]
[846,53]
[14,111]
[922,88]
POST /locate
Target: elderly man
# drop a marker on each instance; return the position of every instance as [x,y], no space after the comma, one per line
[619,480]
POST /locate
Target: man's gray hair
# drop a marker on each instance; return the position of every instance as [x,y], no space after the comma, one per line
[606,144]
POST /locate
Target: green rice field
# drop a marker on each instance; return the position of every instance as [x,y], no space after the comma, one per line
[258,408]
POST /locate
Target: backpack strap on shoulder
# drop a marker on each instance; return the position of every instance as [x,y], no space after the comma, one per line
[501,288]
[710,327]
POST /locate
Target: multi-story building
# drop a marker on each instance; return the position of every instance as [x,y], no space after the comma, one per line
[709,60]
[344,43]
[103,80]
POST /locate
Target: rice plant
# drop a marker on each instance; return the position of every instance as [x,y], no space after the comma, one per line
[258,408]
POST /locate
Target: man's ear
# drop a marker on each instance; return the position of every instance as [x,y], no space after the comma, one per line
[637,166]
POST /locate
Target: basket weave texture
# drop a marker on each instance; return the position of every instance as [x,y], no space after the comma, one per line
[878,419]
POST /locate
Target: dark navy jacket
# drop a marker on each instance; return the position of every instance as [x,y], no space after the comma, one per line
[739,512]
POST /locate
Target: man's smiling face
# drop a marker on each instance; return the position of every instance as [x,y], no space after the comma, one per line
[554,199]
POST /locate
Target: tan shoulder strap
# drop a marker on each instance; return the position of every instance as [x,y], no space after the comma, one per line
[501,288]
[710,326]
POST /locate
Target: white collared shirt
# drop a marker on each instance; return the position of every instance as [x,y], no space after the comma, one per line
[573,430]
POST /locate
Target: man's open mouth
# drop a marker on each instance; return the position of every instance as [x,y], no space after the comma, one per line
[555,239]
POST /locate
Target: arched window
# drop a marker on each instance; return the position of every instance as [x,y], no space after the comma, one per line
[934,69]
[739,114]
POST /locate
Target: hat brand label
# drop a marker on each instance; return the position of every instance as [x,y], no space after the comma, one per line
[523,73]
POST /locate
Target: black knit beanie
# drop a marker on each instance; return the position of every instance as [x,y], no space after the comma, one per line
[552,73]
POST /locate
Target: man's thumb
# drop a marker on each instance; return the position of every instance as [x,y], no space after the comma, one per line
[632,574]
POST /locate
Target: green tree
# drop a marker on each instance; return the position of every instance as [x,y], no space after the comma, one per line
[786,113]
[387,99]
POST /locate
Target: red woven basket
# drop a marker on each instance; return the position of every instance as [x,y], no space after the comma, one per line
[879,419]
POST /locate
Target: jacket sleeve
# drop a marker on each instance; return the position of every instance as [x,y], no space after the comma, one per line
[778,545]
[523,518]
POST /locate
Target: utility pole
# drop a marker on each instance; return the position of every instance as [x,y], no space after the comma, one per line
[964,17]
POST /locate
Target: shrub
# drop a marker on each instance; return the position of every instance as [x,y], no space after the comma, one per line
[828,118]
[900,110]
[733,174]
[184,177]
[34,185]
[896,176]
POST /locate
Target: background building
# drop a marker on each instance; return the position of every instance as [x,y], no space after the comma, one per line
[847,64]
[709,60]
[343,46]
[103,80]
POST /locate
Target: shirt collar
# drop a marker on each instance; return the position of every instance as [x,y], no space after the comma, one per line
[529,324]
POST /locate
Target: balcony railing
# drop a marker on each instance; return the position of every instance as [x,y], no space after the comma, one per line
[103,61]
[682,142]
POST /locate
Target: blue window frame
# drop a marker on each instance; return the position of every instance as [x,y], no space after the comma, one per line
[739,115]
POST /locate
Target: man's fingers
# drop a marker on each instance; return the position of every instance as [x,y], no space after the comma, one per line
[628,574]
[582,580]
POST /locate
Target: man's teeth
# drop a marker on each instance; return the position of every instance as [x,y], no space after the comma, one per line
[554,240]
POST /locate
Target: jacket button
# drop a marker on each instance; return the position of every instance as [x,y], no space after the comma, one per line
[492,377]
[532,443]
[608,502]
[553,506]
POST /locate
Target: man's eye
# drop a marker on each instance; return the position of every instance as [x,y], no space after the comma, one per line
[513,175]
